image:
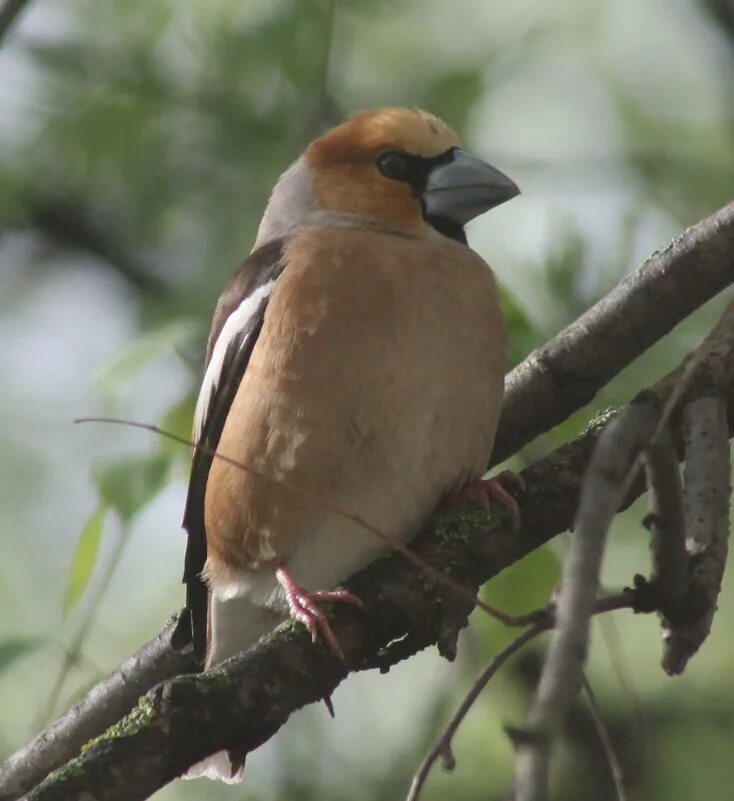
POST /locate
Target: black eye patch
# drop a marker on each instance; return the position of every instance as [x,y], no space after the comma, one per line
[397,165]
[414,170]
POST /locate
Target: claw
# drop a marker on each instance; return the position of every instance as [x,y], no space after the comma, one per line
[303,606]
[339,594]
[483,489]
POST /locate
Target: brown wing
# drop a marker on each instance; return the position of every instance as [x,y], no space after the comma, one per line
[236,326]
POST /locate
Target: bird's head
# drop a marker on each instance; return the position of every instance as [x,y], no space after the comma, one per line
[395,167]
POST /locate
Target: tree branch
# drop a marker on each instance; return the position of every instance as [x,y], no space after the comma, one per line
[565,374]
[107,702]
[639,432]
[707,493]
[667,525]
[602,495]
[242,703]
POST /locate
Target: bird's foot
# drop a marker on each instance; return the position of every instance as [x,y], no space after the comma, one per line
[481,490]
[303,606]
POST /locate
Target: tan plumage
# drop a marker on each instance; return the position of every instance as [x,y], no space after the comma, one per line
[358,355]
[375,384]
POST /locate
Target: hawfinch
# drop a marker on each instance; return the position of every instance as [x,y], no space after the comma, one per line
[358,355]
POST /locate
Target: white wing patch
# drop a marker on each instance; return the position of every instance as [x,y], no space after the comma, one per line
[233,326]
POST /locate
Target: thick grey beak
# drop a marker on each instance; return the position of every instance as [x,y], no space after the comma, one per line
[466,187]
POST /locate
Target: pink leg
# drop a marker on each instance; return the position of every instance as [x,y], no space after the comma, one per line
[303,606]
[481,490]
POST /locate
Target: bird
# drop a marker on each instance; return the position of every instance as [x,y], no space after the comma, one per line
[357,357]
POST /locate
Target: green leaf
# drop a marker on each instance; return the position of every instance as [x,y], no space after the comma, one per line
[84,559]
[127,485]
[14,648]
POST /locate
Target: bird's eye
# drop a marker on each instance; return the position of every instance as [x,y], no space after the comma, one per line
[393,165]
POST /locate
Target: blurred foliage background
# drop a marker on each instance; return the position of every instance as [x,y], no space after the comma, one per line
[138,144]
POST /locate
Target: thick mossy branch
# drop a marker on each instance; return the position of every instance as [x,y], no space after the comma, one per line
[132,723]
[106,703]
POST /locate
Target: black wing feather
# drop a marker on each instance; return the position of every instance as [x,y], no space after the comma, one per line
[262,266]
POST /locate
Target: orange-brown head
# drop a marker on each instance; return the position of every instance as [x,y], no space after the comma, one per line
[351,165]
[399,168]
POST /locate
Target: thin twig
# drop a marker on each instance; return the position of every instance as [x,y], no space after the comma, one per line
[391,542]
[615,766]
[443,747]
[543,621]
